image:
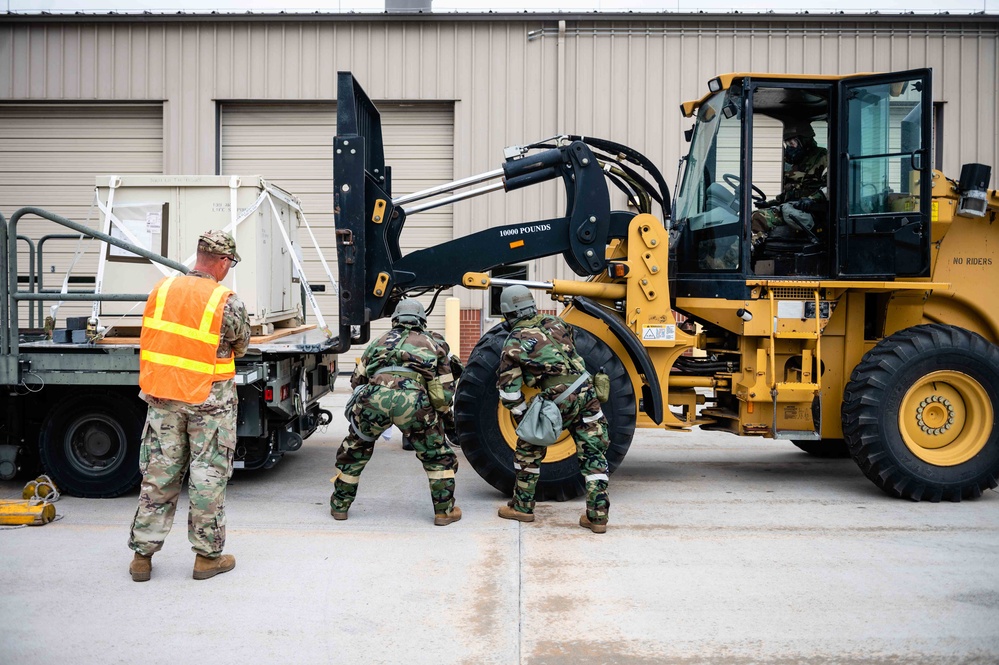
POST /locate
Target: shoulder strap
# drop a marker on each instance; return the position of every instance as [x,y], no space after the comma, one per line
[572,388]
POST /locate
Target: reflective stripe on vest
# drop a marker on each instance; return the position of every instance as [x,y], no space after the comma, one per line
[180,338]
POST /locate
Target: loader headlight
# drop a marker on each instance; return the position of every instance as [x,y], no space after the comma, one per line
[714,85]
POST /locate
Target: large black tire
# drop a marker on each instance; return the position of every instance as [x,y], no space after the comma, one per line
[89,443]
[490,451]
[919,414]
[826,448]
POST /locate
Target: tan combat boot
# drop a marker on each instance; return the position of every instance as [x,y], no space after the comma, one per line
[338,515]
[141,567]
[205,567]
[509,513]
[443,519]
[585,522]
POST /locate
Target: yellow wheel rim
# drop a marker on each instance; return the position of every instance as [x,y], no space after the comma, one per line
[563,448]
[946,418]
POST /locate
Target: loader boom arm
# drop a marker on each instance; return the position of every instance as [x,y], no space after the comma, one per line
[369,222]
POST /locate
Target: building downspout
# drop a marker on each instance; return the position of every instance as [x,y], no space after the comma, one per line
[560,119]
[560,81]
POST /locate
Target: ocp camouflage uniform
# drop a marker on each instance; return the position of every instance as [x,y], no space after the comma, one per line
[803,179]
[550,363]
[201,437]
[398,396]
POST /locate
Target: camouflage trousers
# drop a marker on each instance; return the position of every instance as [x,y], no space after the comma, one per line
[377,408]
[766,220]
[582,416]
[175,441]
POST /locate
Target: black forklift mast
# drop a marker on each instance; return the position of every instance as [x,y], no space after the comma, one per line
[374,274]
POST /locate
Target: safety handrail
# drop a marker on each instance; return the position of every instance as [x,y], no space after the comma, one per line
[12,295]
[4,293]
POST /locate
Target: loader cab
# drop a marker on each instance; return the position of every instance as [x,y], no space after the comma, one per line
[803,178]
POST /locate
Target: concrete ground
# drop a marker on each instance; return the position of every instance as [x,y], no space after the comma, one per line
[720,550]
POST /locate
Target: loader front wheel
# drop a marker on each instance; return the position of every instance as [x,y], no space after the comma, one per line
[487,434]
[919,414]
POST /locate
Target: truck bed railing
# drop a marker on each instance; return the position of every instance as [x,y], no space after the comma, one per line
[13,295]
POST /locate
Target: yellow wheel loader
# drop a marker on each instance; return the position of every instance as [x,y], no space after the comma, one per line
[859,317]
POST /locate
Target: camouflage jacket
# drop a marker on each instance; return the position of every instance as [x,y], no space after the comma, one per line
[529,355]
[406,346]
[805,179]
[457,366]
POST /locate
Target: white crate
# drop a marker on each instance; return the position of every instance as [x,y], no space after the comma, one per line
[168,213]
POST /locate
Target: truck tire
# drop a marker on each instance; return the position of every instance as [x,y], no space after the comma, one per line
[486,429]
[826,448]
[89,444]
[919,414]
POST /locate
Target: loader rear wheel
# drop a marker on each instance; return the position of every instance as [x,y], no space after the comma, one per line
[486,431]
[919,414]
[89,444]
[826,448]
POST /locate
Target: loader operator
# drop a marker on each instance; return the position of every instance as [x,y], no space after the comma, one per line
[403,378]
[804,195]
[540,352]
[193,329]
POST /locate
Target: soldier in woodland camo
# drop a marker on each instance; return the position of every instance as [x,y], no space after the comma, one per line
[805,167]
[540,353]
[394,383]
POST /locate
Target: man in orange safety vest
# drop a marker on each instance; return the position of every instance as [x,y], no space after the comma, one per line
[193,329]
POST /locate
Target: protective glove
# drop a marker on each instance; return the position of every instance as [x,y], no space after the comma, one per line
[806,205]
[762,204]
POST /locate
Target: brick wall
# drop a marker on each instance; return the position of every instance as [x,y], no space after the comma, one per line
[470,330]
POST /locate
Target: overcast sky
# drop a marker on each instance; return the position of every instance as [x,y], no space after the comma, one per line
[335,6]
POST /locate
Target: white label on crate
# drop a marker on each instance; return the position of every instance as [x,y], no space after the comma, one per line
[657,333]
[790,309]
[154,222]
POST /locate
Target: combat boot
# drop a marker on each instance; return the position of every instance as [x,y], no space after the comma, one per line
[141,568]
[205,567]
[509,513]
[443,519]
[337,514]
[595,527]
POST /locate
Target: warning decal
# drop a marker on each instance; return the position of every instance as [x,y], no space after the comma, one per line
[656,333]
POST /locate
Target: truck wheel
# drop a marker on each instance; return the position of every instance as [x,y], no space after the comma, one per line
[826,448]
[89,444]
[486,430]
[919,414]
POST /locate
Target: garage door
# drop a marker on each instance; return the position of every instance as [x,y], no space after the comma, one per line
[292,146]
[49,158]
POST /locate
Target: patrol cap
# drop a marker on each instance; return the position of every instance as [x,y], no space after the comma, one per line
[218,242]
[796,127]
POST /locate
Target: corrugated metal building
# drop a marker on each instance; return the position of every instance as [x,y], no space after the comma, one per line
[87,95]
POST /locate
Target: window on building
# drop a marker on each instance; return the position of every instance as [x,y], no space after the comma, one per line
[503,272]
[938,120]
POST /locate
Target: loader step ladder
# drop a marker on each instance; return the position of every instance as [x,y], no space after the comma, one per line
[809,383]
